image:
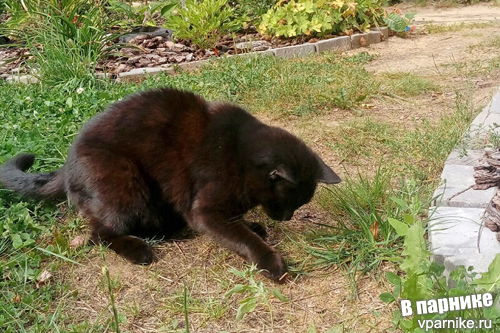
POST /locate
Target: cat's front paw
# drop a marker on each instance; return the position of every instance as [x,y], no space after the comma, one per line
[273,266]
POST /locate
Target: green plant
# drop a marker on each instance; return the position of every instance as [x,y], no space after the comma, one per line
[65,39]
[186,317]
[204,22]
[256,293]
[66,45]
[143,15]
[109,284]
[320,17]
[423,279]
[252,10]
[397,22]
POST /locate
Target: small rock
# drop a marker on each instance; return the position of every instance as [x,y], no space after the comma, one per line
[161,49]
[151,56]
[44,277]
[133,60]
[189,57]
[129,50]
[178,47]
[162,60]
[362,41]
[78,241]
[209,53]
[122,68]
[179,58]
[148,32]
[138,39]
[158,39]
[253,46]
[169,44]
[148,44]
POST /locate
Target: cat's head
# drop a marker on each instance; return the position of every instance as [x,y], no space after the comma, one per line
[286,173]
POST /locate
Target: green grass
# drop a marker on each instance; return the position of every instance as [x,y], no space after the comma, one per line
[406,84]
[362,238]
[299,87]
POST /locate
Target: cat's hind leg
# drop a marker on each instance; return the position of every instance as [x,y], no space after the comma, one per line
[110,190]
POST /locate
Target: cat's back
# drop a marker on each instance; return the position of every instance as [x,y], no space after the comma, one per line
[146,119]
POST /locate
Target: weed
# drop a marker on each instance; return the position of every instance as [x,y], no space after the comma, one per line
[185,301]
[256,293]
[111,286]
[186,317]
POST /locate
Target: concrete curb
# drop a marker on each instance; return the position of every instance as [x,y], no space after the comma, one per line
[342,43]
[456,235]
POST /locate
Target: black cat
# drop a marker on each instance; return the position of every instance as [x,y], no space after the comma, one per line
[165,157]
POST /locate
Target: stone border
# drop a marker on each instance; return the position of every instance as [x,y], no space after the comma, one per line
[342,43]
[456,235]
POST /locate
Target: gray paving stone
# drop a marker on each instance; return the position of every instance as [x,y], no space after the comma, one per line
[494,105]
[297,50]
[469,157]
[138,73]
[193,65]
[485,122]
[454,231]
[342,43]
[267,53]
[456,179]
[480,262]
[385,33]
[360,40]
[460,176]
[470,198]
[374,37]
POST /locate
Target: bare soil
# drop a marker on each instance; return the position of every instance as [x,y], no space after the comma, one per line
[151,297]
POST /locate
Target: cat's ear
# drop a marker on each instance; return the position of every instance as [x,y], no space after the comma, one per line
[326,174]
[282,172]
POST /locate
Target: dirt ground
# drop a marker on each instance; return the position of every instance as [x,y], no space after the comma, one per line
[151,297]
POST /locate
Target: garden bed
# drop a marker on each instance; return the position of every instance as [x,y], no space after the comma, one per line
[150,53]
[63,41]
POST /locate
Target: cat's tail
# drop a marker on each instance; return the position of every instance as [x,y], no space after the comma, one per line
[49,185]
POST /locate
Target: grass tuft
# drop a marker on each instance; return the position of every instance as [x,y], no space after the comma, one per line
[407,84]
